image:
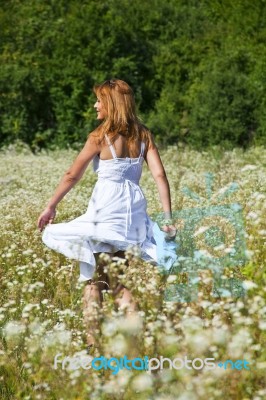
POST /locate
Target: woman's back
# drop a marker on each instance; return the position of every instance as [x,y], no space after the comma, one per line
[122,148]
[119,168]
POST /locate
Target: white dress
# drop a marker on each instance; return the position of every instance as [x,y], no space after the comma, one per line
[115,219]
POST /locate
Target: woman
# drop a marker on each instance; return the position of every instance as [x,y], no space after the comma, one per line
[116,216]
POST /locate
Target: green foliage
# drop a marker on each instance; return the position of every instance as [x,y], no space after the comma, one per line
[197,68]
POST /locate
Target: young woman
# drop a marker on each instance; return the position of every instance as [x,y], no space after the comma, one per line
[116,217]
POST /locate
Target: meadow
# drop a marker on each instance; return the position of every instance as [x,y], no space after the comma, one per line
[41,300]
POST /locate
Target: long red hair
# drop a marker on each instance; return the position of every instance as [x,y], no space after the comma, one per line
[118,100]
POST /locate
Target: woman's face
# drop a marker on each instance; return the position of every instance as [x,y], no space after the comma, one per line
[99,107]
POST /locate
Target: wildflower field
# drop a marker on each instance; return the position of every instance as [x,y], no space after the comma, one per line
[41,300]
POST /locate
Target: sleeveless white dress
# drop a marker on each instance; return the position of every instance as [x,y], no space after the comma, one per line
[115,219]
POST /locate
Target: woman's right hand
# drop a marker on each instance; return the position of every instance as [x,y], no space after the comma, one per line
[46,217]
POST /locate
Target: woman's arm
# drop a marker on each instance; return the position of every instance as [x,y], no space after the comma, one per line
[158,172]
[69,179]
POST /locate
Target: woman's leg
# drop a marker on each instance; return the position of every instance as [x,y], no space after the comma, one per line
[93,297]
[125,298]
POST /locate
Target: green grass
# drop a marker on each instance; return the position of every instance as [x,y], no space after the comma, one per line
[41,308]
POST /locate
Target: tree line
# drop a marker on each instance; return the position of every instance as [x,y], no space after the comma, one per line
[197,68]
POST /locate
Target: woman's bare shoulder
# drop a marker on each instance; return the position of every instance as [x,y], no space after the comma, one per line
[95,138]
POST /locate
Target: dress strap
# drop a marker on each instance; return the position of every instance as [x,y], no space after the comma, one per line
[111,146]
[142,149]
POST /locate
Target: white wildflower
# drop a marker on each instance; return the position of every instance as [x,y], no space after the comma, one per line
[148,340]
[248,285]
[248,167]
[240,341]
[14,328]
[142,382]
[110,327]
[262,325]
[118,345]
[171,278]
[131,324]
[192,323]
[252,215]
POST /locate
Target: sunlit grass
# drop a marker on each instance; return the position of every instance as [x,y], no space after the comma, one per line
[41,308]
